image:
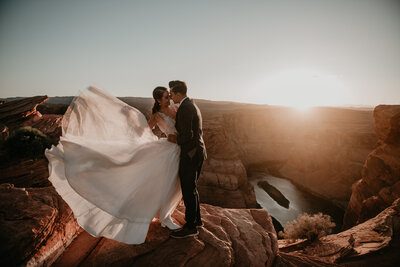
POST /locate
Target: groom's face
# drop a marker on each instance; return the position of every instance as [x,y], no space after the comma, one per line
[174,97]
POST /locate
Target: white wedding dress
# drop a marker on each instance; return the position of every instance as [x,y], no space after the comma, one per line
[110,168]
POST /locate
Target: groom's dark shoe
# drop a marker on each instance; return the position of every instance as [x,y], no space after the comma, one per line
[185,232]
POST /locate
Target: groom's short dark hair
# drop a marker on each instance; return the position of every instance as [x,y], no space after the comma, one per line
[178,87]
[172,83]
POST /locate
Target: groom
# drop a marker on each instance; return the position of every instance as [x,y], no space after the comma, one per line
[193,153]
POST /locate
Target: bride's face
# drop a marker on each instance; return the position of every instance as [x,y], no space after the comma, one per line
[164,101]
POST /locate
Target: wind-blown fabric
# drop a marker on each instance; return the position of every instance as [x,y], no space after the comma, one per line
[110,168]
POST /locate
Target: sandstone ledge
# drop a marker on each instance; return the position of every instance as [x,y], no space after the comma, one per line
[230,237]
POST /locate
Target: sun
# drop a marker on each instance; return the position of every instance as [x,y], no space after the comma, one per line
[302,89]
[302,106]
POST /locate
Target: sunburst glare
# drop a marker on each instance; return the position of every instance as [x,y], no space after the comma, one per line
[303,89]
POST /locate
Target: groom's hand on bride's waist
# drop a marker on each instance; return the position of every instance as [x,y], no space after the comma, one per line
[172,138]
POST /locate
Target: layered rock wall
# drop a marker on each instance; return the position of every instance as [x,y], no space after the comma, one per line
[379,185]
[223,180]
[14,113]
[36,225]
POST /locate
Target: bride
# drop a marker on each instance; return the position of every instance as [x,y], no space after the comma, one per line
[110,168]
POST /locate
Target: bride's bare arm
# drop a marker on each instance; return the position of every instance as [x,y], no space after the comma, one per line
[153,121]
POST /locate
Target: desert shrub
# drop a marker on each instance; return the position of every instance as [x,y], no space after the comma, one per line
[27,142]
[308,226]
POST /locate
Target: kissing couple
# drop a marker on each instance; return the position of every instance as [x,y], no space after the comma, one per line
[117,176]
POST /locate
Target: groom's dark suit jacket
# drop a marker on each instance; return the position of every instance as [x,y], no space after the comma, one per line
[190,133]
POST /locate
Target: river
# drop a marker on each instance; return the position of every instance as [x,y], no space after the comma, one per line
[300,201]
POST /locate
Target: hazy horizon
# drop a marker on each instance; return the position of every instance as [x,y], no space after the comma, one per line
[11,98]
[313,53]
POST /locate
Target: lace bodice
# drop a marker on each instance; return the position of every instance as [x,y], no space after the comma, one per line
[167,124]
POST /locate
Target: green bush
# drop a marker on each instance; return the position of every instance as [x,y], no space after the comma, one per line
[27,142]
[311,227]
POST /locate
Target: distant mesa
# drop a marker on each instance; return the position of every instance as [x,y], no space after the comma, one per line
[273,192]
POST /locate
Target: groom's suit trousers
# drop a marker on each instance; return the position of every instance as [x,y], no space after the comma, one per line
[189,172]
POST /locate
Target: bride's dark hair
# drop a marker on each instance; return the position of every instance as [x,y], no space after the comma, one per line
[158,93]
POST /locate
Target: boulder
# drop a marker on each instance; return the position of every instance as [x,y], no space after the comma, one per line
[36,225]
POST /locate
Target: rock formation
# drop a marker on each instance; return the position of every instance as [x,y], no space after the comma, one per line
[274,193]
[36,225]
[223,181]
[14,113]
[375,242]
[23,112]
[230,237]
[379,185]
[25,173]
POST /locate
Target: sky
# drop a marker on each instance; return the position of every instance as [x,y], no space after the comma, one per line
[283,52]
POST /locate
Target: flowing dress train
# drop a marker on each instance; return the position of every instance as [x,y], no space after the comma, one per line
[110,168]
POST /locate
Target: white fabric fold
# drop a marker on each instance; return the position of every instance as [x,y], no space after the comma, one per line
[113,172]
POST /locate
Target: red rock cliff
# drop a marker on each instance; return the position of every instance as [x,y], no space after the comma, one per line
[379,185]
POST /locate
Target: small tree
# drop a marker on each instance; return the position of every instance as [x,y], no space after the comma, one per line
[27,142]
[311,227]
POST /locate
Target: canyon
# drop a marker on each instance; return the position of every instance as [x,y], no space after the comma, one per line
[324,151]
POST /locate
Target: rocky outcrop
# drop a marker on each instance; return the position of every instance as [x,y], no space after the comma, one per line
[321,150]
[49,124]
[46,108]
[379,185]
[223,181]
[24,112]
[375,242]
[25,173]
[14,113]
[36,225]
[230,237]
